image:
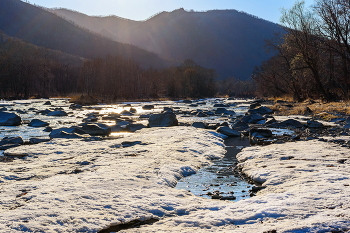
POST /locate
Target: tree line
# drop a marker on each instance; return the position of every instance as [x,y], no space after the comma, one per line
[312,60]
[31,71]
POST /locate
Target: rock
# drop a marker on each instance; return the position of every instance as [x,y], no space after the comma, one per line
[228,131]
[199,125]
[254,105]
[145,116]
[72,132]
[260,133]
[38,140]
[91,118]
[133,110]
[262,111]
[220,106]
[44,112]
[48,129]
[240,126]
[193,105]
[314,124]
[288,123]
[57,113]
[167,109]
[252,118]
[187,101]
[47,103]
[219,111]
[116,129]
[163,120]
[9,119]
[38,123]
[95,128]
[76,106]
[10,142]
[123,123]
[148,107]
[134,127]
[126,113]
[3,109]
[201,114]
[64,134]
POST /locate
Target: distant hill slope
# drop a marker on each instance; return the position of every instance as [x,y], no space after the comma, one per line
[229,41]
[42,28]
[52,55]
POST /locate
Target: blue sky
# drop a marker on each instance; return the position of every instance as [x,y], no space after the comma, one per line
[143,9]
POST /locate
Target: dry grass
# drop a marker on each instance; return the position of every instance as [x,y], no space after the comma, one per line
[318,109]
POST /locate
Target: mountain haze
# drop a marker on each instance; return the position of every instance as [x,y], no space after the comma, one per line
[42,28]
[229,41]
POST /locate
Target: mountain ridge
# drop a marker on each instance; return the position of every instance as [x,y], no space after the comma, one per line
[230,41]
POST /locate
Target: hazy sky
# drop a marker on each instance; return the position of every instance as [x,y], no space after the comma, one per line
[143,9]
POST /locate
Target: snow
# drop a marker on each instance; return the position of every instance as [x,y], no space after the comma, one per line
[86,186]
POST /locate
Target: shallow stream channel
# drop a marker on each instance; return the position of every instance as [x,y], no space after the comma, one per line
[220,180]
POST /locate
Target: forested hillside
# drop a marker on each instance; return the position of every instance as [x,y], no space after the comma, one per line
[39,27]
[230,42]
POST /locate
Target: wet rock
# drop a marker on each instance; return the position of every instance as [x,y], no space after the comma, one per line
[9,119]
[72,132]
[148,107]
[134,127]
[187,101]
[63,134]
[38,140]
[219,111]
[220,106]
[3,109]
[47,103]
[314,124]
[48,129]
[10,142]
[95,129]
[252,118]
[126,113]
[260,133]
[240,126]
[57,113]
[262,111]
[288,123]
[201,114]
[228,131]
[38,123]
[162,120]
[199,125]
[145,116]
[254,105]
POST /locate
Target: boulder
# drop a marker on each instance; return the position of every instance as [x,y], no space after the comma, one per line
[228,131]
[126,113]
[287,123]
[47,103]
[220,110]
[254,105]
[148,107]
[95,128]
[132,110]
[38,123]
[38,140]
[240,126]
[163,120]
[72,132]
[199,125]
[262,110]
[134,127]
[57,113]
[9,142]
[252,118]
[314,124]
[201,114]
[9,119]
[260,133]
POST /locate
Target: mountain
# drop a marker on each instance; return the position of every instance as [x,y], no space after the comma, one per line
[42,28]
[229,41]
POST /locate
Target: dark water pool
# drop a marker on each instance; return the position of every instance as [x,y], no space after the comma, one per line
[220,180]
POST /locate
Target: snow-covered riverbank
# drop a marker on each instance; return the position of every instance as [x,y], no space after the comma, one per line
[85,186]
